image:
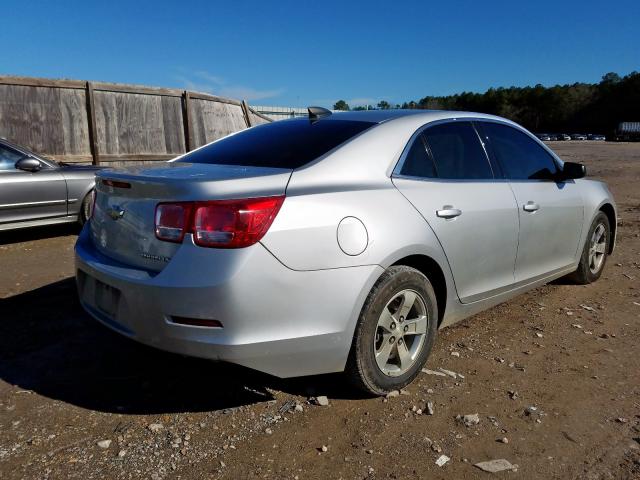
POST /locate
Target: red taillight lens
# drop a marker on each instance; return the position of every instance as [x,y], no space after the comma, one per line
[234,223]
[220,223]
[172,220]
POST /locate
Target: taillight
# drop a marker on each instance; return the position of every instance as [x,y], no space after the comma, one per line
[219,223]
[172,221]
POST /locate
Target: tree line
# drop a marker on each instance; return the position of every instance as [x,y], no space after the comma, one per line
[580,107]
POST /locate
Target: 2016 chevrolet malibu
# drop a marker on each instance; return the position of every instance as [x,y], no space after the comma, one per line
[341,242]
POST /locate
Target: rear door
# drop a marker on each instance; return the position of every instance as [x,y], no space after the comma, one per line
[446,174]
[29,195]
[550,212]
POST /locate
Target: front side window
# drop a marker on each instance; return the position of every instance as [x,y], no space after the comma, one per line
[283,144]
[8,158]
[521,157]
[457,152]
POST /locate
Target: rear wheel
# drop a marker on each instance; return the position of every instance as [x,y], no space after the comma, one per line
[594,252]
[395,332]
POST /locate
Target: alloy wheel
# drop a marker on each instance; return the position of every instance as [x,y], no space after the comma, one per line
[400,333]
[597,248]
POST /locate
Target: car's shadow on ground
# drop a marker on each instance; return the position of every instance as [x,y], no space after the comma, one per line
[38,233]
[50,346]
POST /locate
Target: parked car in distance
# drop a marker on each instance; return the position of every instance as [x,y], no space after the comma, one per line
[597,137]
[578,136]
[564,137]
[37,191]
[338,242]
[543,136]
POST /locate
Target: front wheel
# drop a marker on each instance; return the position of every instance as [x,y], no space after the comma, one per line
[594,252]
[395,332]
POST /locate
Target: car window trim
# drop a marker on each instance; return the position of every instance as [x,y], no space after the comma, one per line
[396,172]
[554,158]
[498,171]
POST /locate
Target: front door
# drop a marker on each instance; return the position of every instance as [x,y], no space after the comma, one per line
[551,212]
[28,196]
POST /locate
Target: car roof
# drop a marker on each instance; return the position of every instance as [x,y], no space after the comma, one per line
[372,155]
[424,116]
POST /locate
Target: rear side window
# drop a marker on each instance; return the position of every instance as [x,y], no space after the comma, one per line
[521,157]
[282,144]
[418,162]
[457,152]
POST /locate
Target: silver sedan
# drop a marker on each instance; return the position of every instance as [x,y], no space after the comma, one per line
[37,191]
[341,242]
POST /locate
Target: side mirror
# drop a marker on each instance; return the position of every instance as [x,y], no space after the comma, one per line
[572,170]
[29,164]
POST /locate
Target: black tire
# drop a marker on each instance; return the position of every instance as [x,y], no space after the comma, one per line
[585,274]
[362,369]
[86,207]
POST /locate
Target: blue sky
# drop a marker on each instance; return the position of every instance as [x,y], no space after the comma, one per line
[298,53]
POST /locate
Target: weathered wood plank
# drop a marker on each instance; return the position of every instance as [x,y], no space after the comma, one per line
[106,123]
[78,121]
[92,125]
[136,89]
[258,118]
[75,125]
[214,98]
[41,82]
[213,120]
[186,121]
[173,127]
[139,120]
[30,116]
[245,113]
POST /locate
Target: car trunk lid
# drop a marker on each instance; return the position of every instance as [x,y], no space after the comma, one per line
[122,225]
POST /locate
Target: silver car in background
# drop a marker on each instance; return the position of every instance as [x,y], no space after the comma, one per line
[37,191]
[338,242]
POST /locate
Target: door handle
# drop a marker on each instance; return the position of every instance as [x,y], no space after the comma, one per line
[448,212]
[531,206]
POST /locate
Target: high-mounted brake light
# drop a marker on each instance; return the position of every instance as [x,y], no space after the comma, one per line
[219,223]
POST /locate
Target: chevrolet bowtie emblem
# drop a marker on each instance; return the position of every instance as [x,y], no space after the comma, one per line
[115,212]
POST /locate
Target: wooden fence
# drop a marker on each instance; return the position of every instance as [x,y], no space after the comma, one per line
[78,121]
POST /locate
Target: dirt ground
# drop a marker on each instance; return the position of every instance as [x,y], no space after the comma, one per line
[572,352]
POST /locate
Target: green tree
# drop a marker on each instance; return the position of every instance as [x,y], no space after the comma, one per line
[341,105]
[384,105]
[611,78]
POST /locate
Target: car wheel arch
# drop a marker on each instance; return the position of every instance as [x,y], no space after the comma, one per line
[610,212]
[434,272]
[82,198]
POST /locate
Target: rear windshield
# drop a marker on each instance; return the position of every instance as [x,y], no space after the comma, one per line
[282,144]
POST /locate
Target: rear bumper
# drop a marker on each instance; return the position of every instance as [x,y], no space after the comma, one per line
[276,320]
